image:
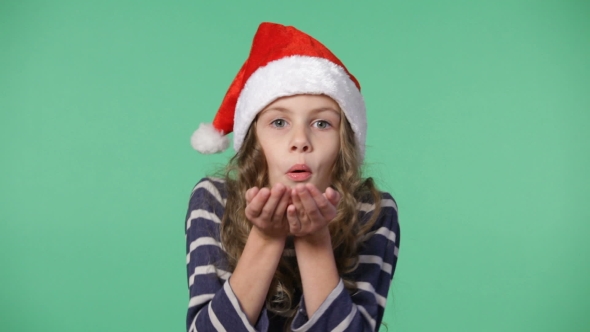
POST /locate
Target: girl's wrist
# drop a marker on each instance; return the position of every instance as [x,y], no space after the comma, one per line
[320,238]
[267,238]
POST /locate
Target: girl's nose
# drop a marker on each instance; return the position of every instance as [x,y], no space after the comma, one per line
[300,141]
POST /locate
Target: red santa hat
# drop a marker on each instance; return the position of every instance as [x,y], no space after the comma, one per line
[283,62]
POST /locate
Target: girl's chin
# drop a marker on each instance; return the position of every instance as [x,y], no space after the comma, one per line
[292,184]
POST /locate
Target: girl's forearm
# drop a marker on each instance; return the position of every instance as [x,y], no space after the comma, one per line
[317,266]
[254,272]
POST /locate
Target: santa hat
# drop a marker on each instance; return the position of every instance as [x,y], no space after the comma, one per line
[283,62]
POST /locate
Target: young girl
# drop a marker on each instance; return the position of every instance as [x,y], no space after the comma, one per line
[292,238]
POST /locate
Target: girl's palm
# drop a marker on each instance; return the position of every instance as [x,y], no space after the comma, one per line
[311,210]
[266,208]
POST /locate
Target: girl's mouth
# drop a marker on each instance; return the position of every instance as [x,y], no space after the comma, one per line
[299,173]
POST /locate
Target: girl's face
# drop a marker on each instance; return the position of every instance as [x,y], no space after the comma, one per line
[300,138]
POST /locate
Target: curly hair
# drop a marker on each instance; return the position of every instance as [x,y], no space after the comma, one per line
[248,168]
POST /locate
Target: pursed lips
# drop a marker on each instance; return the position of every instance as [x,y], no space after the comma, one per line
[299,172]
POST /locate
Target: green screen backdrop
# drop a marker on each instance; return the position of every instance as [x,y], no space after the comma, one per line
[479,115]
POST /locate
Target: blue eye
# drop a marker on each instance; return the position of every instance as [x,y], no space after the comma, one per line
[279,123]
[321,124]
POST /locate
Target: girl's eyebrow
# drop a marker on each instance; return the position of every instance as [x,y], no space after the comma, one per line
[315,110]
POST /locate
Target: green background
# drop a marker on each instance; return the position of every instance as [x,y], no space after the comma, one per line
[479,115]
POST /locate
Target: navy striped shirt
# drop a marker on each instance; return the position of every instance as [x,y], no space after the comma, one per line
[213,305]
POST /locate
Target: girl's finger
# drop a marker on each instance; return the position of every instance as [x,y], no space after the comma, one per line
[250,193]
[333,196]
[296,200]
[299,209]
[309,202]
[268,210]
[279,214]
[294,222]
[254,209]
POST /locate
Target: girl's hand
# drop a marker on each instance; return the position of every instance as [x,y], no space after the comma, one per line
[311,210]
[265,208]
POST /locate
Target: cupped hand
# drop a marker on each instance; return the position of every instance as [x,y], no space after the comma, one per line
[311,211]
[265,208]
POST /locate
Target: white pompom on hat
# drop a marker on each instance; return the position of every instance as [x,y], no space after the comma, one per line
[283,62]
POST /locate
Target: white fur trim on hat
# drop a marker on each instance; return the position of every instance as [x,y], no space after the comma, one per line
[206,139]
[300,75]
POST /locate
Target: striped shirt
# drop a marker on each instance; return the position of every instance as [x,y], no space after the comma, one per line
[213,305]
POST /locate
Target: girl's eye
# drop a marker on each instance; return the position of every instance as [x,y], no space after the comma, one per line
[321,124]
[279,123]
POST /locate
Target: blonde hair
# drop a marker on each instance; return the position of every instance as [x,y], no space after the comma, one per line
[248,168]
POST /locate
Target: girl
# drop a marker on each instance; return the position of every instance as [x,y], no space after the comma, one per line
[292,238]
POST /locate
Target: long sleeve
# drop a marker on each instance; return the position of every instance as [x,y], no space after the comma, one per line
[212,306]
[363,310]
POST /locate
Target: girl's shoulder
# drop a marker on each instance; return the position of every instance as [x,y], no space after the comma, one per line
[388,217]
[211,183]
[209,189]
[367,204]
